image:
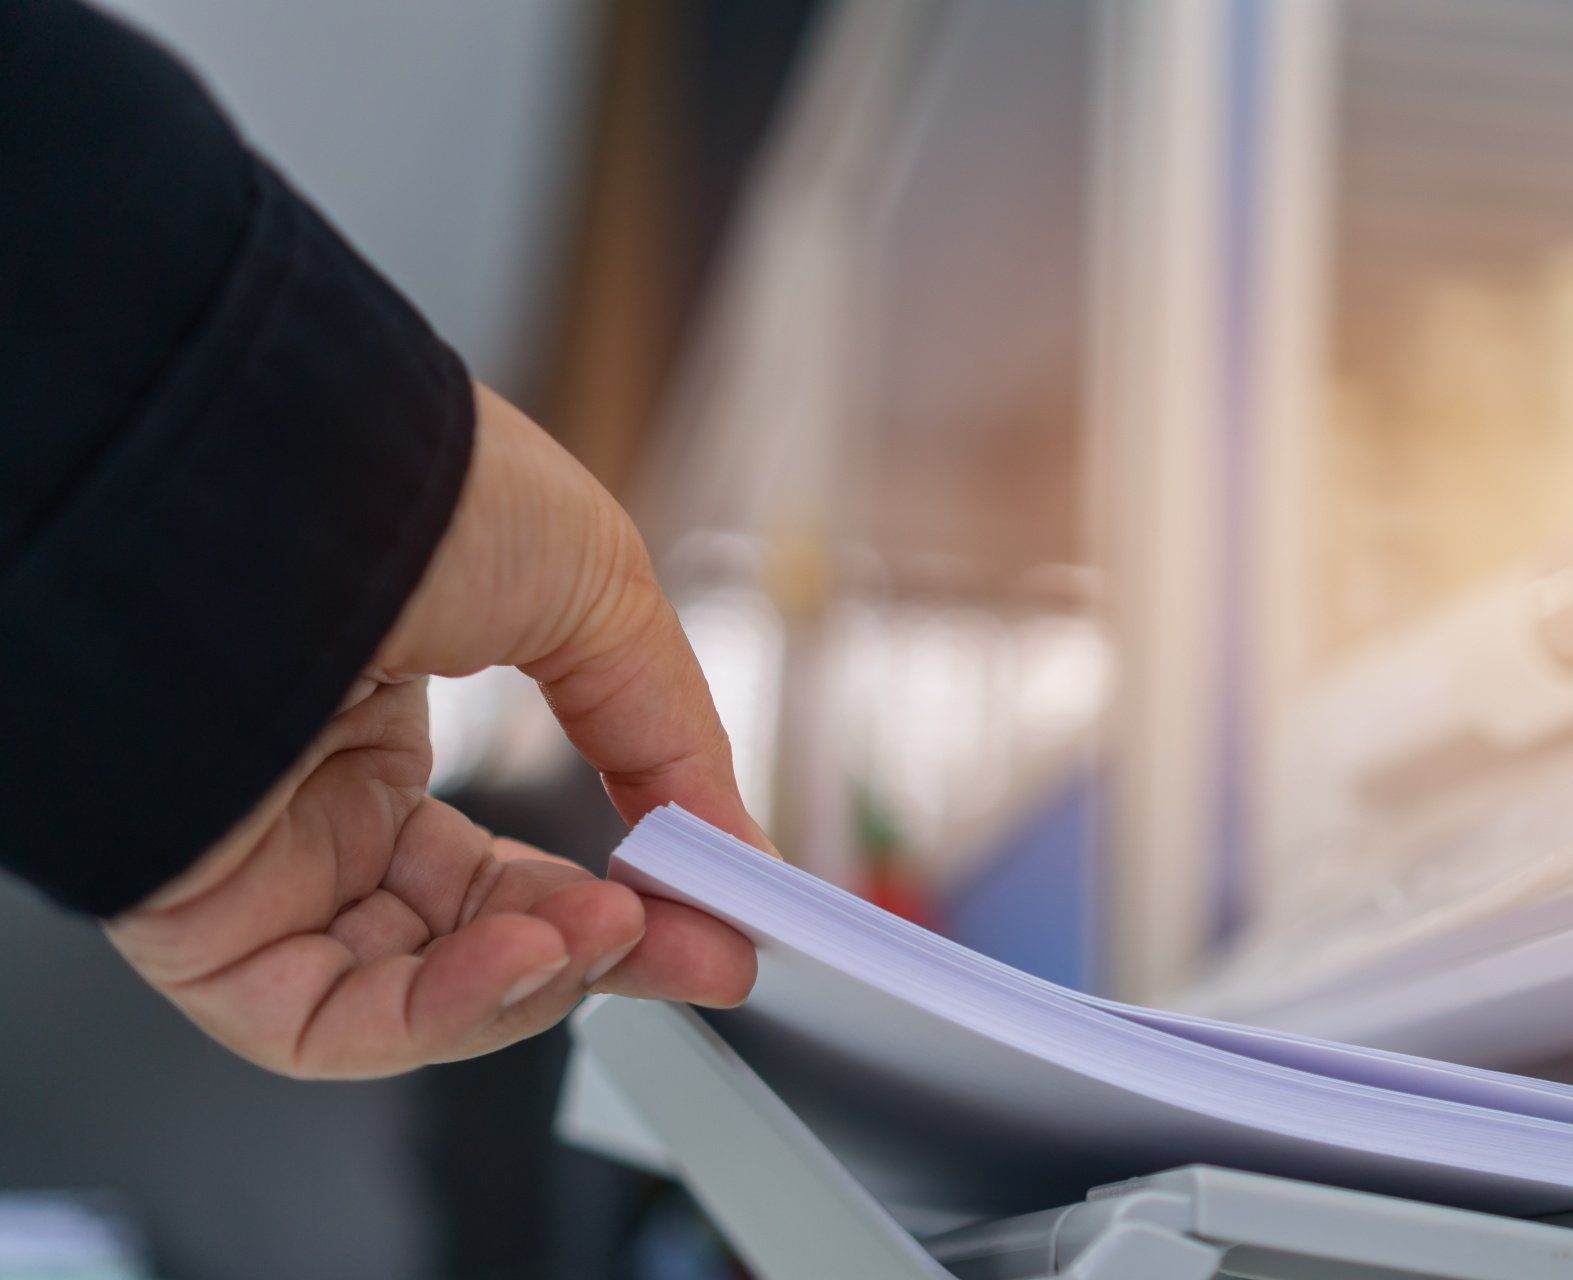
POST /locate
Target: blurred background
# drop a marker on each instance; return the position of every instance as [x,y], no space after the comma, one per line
[1114,461]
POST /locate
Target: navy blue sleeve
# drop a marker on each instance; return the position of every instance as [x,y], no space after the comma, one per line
[228,448]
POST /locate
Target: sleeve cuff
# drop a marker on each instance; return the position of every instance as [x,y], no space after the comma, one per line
[193,614]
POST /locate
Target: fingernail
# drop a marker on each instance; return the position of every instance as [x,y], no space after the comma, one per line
[533,982]
[608,962]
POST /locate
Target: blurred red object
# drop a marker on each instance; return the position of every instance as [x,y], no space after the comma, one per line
[887,880]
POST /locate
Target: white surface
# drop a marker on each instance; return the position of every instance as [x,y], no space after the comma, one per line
[1269,1227]
[441,137]
[594,1112]
[923,1045]
[787,1205]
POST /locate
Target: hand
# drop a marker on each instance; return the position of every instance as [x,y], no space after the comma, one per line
[352,925]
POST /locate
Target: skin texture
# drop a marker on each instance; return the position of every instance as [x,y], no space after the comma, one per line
[353,926]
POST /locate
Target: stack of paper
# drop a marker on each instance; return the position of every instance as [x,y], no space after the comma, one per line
[945,1079]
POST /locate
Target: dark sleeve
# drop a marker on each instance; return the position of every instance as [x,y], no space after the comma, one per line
[227,449]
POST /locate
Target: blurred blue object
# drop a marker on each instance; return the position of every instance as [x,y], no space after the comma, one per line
[1032,901]
[676,1242]
[47,1235]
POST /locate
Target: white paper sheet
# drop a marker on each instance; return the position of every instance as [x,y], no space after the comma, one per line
[945,1077]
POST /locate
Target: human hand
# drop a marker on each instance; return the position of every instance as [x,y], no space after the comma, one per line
[351,925]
